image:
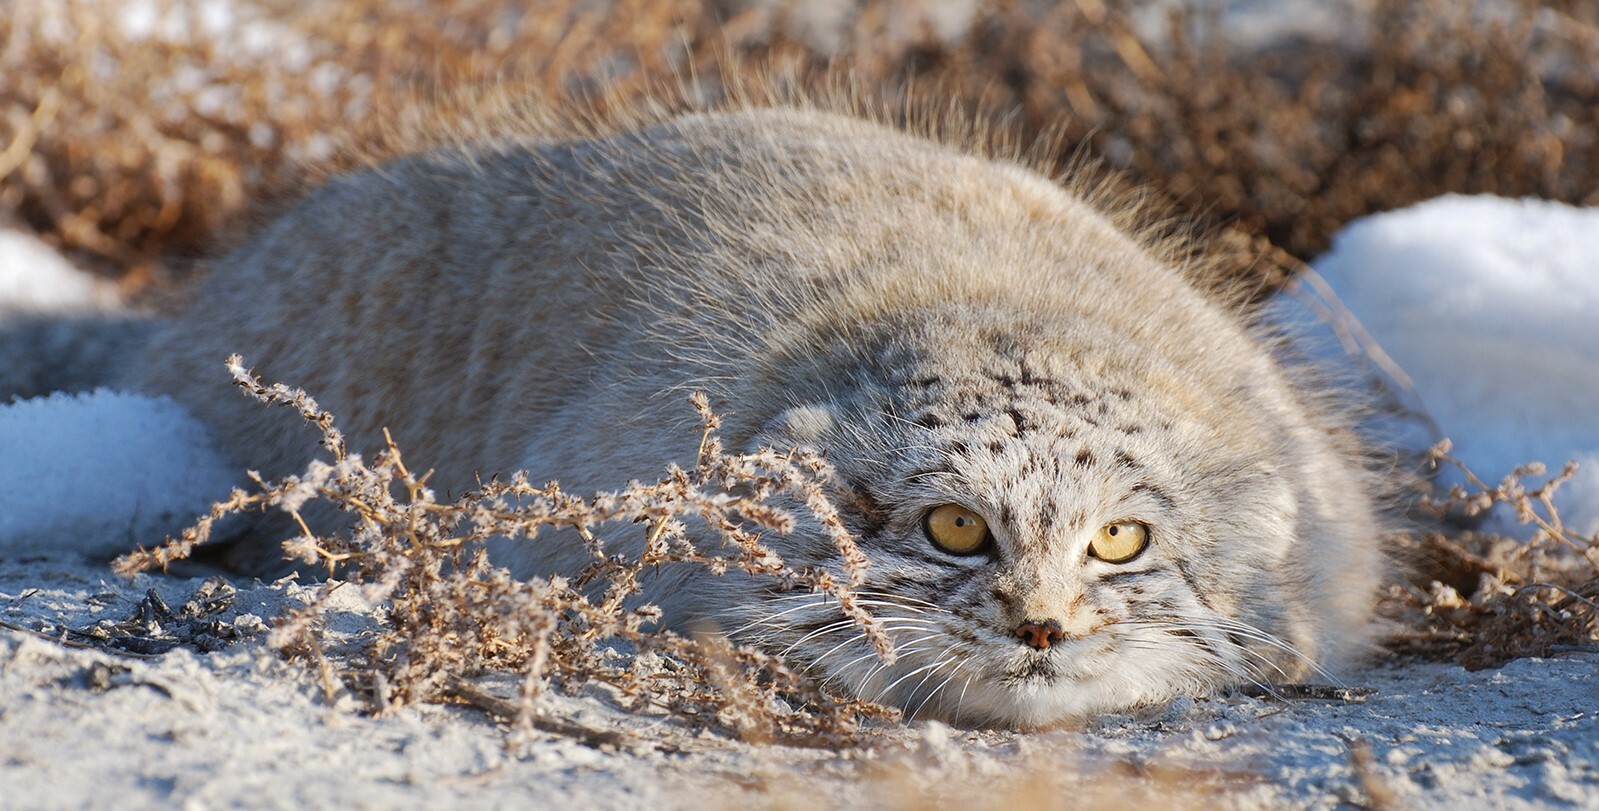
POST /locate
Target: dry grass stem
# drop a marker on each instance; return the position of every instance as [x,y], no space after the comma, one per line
[452,615]
[1484,599]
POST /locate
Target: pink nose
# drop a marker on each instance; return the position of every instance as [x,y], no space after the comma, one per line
[1039,634]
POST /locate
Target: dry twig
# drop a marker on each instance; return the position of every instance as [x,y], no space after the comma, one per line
[451,614]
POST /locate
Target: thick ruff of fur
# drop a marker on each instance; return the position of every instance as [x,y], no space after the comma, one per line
[947,328]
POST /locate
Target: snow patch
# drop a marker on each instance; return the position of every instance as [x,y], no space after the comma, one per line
[1492,307]
[97,473]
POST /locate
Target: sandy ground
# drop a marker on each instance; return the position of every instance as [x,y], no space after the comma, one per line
[84,728]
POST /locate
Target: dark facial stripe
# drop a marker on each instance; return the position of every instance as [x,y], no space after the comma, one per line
[1125,577]
[864,506]
[1193,584]
[1156,493]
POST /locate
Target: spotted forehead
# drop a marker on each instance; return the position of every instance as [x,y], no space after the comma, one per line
[1017,400]
[1042,449]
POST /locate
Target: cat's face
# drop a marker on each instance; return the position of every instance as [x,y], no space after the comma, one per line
[1047,541]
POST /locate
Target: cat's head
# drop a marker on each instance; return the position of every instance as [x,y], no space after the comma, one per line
[1054,532]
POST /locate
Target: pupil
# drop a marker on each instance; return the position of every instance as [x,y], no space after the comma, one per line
[1112,530]
[961,521]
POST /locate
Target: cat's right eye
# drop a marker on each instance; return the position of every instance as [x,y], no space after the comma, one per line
[957,530]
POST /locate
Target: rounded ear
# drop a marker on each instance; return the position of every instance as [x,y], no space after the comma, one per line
[804,425]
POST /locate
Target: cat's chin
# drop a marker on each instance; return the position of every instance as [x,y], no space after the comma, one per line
[1037,701]
[1022,704]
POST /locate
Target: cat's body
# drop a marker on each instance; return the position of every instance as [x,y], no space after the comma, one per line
[946,328]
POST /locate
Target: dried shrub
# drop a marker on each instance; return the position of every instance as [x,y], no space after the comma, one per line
[1484,599]
[450,615]
[133,148]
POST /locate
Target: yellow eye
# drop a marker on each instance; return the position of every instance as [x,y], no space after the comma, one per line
[1119,542]
[957,530]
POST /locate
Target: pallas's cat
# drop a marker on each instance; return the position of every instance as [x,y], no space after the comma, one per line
[1083,484]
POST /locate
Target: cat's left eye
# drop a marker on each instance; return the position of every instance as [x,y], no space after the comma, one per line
[1119,542]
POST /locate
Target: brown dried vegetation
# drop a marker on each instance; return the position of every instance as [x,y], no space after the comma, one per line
[138,146]
[451,615]
[1483,599]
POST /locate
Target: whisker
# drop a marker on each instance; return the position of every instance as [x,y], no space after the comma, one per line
[961,702]
[883,693]
[768,619]
[1228,627]
[870,599]
[936,690]
[900,598]
[892,624]
[1248,631]
[944,660]
[898,650]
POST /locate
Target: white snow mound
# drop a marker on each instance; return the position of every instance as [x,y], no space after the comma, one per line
[1492,307]
[98,473]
